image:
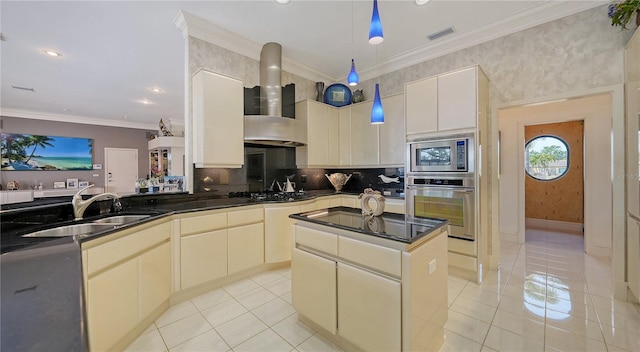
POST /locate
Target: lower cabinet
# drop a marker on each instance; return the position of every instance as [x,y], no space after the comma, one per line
[203,258]
[313,280]
[369,309]
[245,247]
[155,278]
[278,232]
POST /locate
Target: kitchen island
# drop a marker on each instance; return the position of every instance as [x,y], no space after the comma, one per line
[371,283]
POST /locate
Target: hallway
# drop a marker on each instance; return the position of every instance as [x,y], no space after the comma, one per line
[548,296]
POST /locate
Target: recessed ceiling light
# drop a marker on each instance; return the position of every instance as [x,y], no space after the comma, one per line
[125,116]
[283,1]
[421,2]
[52,53]
[144,101]
[65,109]
[156,90]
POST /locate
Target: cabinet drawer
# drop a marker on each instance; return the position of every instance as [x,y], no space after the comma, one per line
[394,206]
[202,223]
[376,257]
[463,261]
[462,246]
[109,253]
[242,217]
[315,239]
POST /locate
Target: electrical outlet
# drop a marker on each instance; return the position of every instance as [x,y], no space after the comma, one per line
[96,175]
[432,266]
[303,178]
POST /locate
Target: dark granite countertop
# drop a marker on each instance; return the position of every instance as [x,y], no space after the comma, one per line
[388,226]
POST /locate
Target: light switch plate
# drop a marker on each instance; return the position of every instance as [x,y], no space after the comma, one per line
[432,266]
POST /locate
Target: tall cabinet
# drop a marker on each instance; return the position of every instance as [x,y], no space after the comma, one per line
[166,156]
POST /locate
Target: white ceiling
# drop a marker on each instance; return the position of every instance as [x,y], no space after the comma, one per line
[114,52]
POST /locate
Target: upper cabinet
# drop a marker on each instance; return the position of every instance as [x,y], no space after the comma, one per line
[364,136]
[322,134]
[392,137]
[218,121]
[442,103]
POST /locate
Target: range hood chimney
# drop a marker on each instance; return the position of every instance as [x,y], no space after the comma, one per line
[270,128]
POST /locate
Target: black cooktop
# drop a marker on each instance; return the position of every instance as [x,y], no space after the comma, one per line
[271,196]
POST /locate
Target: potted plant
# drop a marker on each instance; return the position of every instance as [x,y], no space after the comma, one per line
[623,11]
[142,185]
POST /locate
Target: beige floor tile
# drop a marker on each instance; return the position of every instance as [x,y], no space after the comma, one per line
[149,342]
[177,312]
[264,341]
[240,329]
[504,340]
[209,341]
[292,330]
[629,340]
[561,309]
[520,325]
[473,292]
[454,343]
[317,343]
[474,309]
[185,329]
[266,277]
[150,328]
[284,271]
[255,298]
[467,326]
[287,298]
[280,286]
[273,311]
[619,320]
[579,326]
[523,307]
[241,287]
[223,312]
[210,299]
[562,340]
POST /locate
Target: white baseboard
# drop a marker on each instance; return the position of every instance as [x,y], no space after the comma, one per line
[598,251]
[513,237]
[563,226]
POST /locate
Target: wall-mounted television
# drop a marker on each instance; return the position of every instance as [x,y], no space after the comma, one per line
[26,152]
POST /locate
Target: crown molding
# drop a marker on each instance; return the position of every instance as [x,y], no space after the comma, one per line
[197,27]
[85,120]
[549,11]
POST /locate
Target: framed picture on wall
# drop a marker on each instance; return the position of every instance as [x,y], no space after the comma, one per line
[83,184]
[72,183]
[59,184]
[25,152]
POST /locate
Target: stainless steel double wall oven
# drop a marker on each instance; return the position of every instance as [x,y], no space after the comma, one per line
[440,182]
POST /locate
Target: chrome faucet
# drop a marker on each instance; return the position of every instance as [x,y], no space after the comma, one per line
[79,205]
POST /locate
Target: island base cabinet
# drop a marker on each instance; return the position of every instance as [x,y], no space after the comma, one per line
[313,288]
[245,247]
[203,258]
[112,308]
[369,309]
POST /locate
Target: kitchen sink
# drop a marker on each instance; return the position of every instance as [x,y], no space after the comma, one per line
[120,219]
[71,230]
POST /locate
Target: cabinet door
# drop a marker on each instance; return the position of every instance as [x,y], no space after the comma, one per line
[457,101]
[344,142]
[203,257]
[333,136]
[155,278]
[317,134]
[392,137]
[245,247]
[364,136]
[278,232]
[421,103]
[313,288]
[218,121]
[112,305]
[369,309]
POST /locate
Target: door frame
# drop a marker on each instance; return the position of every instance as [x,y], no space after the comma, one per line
[618,206]
[106,165]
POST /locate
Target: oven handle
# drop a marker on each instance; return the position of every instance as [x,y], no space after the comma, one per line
[457,189]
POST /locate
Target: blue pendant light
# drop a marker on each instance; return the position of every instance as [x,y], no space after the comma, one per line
[375,29]
[377,113]
[353,78]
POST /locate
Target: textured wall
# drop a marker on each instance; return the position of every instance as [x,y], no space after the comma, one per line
[561,199]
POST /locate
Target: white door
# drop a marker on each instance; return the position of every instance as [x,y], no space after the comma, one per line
[120,170]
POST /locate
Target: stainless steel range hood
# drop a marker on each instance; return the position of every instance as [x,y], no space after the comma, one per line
[270,128]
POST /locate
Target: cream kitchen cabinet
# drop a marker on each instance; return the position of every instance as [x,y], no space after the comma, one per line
[218,121]
[446,102]
[421,104]
[344,137]
[278,232]
[369,309]
[364,136]
[313,279]
[322,134]
[128,283]
[246,247]
[392,143]
[203,258]
[458,99]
